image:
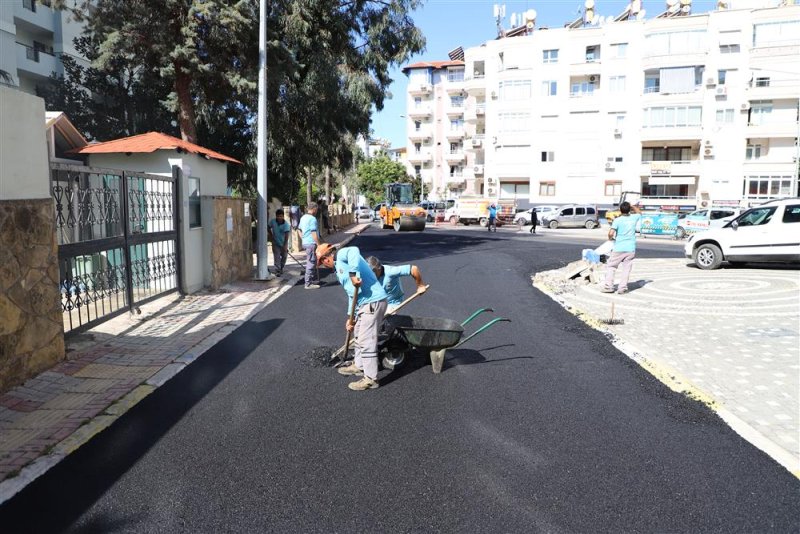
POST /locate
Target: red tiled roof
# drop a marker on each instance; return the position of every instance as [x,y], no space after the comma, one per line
[150,142]
[433,65]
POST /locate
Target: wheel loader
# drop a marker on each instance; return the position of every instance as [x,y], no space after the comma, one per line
[400,212]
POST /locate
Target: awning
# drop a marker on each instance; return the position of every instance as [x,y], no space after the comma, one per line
[672,180]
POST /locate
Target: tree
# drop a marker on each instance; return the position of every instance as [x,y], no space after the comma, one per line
[373,175]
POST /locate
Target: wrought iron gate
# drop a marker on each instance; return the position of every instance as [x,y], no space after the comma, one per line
[118,240]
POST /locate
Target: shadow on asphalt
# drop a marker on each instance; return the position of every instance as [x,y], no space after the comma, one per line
[71,487]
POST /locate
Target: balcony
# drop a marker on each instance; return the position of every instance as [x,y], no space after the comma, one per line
[454,87]
[668,169]
[455,134]
[776,89]
[421,112]
[763,166]
[423,134]
[35,62]
[773,129]
[475,112]
[475,85]
[455,156]
[455,111]
[419,157]
[456,181]
[420,89]
[673,133]
[33,16]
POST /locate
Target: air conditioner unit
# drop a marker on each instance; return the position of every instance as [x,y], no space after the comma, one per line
[592,78]
[609,166]
[746,106]
[721,90]
[708,142]
[617,132]
[490,180]
[708,152]
[491,190]
[494,95]
[425,87]
[478,169]
[711,82]
[477,142]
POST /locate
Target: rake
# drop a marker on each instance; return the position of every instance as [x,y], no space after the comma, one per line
[612,320]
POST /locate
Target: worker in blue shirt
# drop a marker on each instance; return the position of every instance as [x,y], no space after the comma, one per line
[278,230]
[309,229]
[623,232]
[389,276]
[492,226]
[352,271]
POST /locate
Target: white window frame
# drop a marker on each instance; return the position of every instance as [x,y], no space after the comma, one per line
[547,189]
[725,116]
[616,84]
[515,90]
[619,50]
[550,55]
[776,187]
[754,151]
[549,88]
[547,156]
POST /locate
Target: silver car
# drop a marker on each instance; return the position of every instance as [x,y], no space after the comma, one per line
[572,216]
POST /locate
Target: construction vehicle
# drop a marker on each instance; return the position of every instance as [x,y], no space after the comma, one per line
[400,212]
[475,210]
[630,196]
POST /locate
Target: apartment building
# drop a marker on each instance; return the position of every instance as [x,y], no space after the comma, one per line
[33,38]
[687,110]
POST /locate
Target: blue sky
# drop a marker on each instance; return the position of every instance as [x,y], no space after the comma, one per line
[448,24]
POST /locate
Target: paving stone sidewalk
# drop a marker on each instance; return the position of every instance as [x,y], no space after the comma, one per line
[116,364]
[729,337]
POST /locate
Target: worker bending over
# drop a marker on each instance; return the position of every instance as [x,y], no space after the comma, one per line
[352,271]
[389,277]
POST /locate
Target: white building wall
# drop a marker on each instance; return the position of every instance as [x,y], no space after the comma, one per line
[593,143]
[24,172]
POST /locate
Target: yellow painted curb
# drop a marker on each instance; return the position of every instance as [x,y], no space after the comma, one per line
[130,400]
[84,434]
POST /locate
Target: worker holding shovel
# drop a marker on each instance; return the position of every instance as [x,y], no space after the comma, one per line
[389,276]
[367,308]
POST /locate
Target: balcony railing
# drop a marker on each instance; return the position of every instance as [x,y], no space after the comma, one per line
[30,5]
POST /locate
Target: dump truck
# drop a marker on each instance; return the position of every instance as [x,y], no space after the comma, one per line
[399,211]
[631,196]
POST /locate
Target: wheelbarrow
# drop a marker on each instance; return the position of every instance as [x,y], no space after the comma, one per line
[406,333]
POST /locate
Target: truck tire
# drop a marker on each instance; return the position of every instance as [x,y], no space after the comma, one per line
[483,221]
[680,232]
[553,225]
[453,220]
[589,225]
[707,256]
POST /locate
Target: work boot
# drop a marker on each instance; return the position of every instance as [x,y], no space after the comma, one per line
[622,290]
[350,369]
[605,289]
[312,286]
[363,384]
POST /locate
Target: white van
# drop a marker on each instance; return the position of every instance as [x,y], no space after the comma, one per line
[766,233]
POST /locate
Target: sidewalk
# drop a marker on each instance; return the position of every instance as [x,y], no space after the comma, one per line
[113,366]
[728,338]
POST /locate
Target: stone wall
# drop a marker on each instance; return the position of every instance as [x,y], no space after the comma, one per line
[231,248]
[31,324]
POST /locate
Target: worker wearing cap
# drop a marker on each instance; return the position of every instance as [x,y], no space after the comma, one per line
[389,276]
[353,271]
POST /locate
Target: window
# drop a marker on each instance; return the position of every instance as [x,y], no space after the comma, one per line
[652,82]
[672,43]
[721,74]
[672,153]
[729,49]
[550,56]
[547,189]
[757,216]
[417,102]
[721,214]
[456,125]
[613,189]
[549,88]
[776,33]
[515,90]
[455,148]
[760,112]
[417,148]
[791,214]
[194,203]
[762,81]
[672,117]
[455,171]
[566,212]
[580,211]
[619,50]
[457,101]
[665,191]
[514,122]
[767,187]
[592,53]
[455,75]
[616,84]
[724,115]
[548,156]
[585,88]
[417,170]
[417,126]
[590,211]
[753,152]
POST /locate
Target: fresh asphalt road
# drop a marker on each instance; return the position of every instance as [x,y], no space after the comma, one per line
[540,425]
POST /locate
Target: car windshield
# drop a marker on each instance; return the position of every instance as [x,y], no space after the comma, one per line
[756,216]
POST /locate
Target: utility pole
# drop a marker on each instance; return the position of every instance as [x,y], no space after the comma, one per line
[261,230]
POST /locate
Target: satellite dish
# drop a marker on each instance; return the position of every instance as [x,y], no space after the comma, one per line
[513,20]
[640,15]
[674,8]
[589,4]
[530,15]
[686,2]
[686,9]
[671,3]
[636,6]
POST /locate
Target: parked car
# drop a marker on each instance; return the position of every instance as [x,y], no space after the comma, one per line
[571,216]
[700,220]
[363,212]
[376,211]
[765,233]
[523,217]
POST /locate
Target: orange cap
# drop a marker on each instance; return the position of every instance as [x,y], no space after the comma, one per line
[324,250]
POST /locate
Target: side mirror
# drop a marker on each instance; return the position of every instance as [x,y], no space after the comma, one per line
[735,225]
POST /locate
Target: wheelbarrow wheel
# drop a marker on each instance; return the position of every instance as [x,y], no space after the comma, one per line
[393,360]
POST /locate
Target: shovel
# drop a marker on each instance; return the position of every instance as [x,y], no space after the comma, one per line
[342,352]
[346,346]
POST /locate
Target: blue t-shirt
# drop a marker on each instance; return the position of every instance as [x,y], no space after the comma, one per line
[625,225]
[349,260]
[308,226]
[279,231]
[391,281]
[493,211]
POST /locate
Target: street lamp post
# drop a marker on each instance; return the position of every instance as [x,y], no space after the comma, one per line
[261,254]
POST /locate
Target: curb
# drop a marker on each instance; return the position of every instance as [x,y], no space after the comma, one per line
[679,384]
